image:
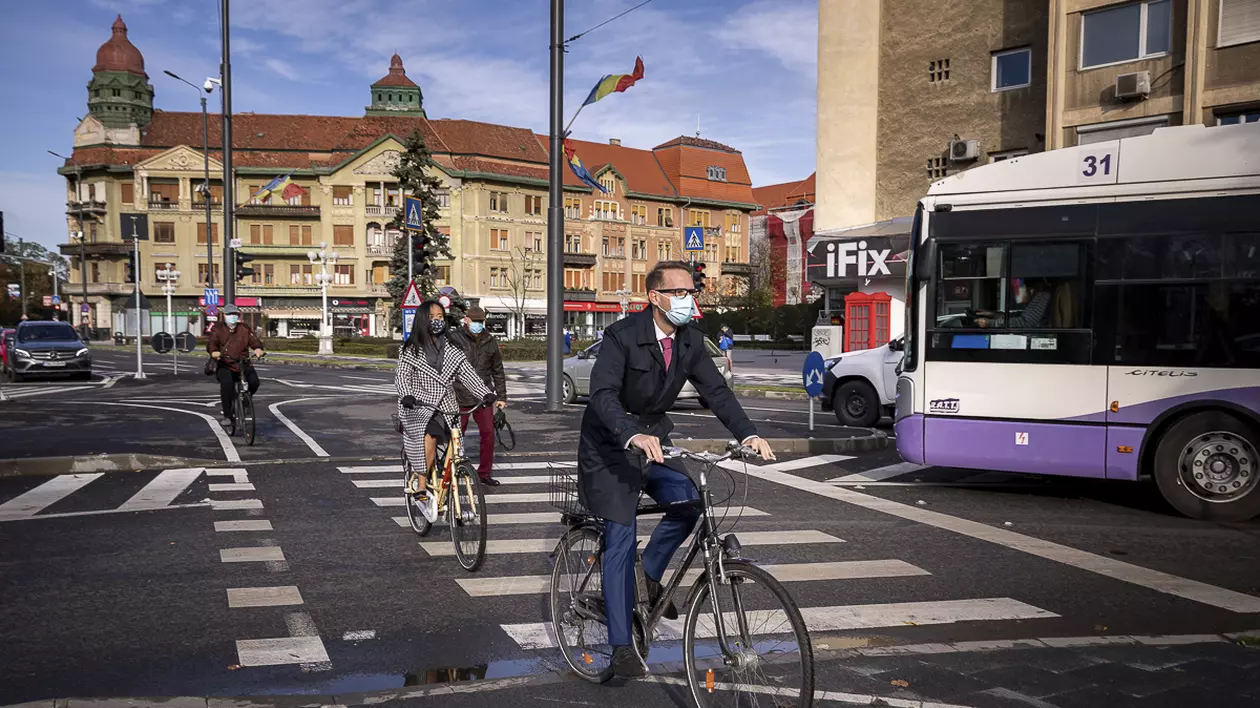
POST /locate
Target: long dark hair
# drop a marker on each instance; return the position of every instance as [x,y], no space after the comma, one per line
[421,341]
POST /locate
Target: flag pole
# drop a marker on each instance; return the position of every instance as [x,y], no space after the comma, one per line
[570,123]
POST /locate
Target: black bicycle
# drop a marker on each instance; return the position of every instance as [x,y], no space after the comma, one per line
[243,405]
[744,640]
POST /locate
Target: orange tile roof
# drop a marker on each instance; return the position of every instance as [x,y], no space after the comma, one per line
[639,168]
[686,160]
[776,196]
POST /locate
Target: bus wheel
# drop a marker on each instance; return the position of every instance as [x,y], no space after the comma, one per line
[1206,467]
[856,404]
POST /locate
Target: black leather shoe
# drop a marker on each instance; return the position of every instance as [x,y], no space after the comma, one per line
[654,594]
[490,482]
[627,664]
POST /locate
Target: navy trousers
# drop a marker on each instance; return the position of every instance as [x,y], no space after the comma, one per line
[664,486]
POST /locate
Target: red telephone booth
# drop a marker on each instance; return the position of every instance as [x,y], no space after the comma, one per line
[866,320]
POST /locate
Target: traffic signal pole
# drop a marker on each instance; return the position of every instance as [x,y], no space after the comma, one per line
[135,239]
[555,216]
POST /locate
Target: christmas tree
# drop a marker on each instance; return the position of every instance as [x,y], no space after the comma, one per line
[414,179]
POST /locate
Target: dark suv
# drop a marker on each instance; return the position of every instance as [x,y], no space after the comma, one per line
[47,349]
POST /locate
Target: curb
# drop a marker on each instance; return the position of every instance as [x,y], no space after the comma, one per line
[78,464]
[870,441]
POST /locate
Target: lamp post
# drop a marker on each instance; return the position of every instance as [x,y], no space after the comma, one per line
[78,213]
[169,277]
[322,258]
[624,295]
[205,186]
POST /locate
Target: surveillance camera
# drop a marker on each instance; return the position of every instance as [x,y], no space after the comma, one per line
[208,86]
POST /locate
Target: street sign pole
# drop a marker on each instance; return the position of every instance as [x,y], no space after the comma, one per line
[812,376]
[135,238]
[555,216]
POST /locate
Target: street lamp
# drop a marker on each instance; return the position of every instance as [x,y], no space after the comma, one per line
[169,277]
[322,258]
[78,213]
[205,186]
[625,302]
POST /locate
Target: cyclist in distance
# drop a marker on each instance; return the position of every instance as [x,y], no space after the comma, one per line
[233,340]
[643,363]
[425,378]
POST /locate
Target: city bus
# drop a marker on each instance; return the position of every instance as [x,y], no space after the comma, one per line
[1094,311]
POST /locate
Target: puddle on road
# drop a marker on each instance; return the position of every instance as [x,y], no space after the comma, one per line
[427,677]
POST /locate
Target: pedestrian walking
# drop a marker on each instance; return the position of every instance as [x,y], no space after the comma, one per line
[568,341]
[482,351]
[726,342]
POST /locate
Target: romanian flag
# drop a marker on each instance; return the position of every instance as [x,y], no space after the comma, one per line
[579,170]
[615,83]
[278,184]
[291,190]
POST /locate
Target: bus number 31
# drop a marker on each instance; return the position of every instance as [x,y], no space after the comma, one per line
[1093,162]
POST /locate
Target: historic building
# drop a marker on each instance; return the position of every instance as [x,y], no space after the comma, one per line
[138,168]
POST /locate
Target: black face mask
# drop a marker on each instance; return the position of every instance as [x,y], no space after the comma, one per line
[437,326]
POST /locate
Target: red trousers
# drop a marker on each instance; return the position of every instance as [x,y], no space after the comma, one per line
[485,428]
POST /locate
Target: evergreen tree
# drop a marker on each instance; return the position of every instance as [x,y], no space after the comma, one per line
[415,180]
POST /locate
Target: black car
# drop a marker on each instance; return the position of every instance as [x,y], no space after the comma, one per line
[47,349]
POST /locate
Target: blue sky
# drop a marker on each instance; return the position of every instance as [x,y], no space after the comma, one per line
[748,68]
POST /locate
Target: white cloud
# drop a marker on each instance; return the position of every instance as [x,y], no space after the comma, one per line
[283,68]
[787,32]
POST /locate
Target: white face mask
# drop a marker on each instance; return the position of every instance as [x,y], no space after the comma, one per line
[231,320]
[680,309]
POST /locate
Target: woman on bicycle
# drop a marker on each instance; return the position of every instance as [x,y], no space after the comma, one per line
[425,379]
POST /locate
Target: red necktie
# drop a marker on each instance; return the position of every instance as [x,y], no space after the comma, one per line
[667,348]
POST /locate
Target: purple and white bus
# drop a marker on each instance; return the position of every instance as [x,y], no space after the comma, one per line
[1094,311]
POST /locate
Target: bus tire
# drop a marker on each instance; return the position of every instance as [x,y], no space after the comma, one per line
[1206,467]
[856,404]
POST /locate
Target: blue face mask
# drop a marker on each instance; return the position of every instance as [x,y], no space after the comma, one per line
[476,327]
[231,320]
[680,310]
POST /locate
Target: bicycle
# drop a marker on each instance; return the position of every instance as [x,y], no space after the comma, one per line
[243,407]
[457,493]
[720,606]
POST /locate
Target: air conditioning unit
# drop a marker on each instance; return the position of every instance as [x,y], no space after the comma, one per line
[1134,85]
[962,150]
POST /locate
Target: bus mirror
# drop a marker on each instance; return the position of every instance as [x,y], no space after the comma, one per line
[925,260]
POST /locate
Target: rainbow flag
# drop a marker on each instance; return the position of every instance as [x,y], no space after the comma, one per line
[615,83]
[579,170]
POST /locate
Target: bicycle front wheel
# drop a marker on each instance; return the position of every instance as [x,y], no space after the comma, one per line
[577,605]
[768,657]
[246,404]
[419,523]
[466,511]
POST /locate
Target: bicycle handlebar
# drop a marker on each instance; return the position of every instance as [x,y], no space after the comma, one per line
[734,450]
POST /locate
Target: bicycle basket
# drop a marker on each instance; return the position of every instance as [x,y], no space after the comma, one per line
[563,491]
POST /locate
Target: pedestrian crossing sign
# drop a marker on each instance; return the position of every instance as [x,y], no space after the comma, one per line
[693,238]
[413,217]
[411,298]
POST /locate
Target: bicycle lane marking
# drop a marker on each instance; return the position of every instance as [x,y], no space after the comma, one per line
[1083,560]
[229,449]
[302,435]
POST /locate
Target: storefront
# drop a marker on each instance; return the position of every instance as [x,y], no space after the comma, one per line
[864,259]
[587,317]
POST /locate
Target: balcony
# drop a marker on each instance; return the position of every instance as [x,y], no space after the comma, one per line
[378,210]
[378,289]
[163,205]
[579,260]
[580,294]
[277,211]
[380,249]
[734,268]
[75,288]
[113,248]
[277,249]
[87,206]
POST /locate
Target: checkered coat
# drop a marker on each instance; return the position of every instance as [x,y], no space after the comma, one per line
[434,391]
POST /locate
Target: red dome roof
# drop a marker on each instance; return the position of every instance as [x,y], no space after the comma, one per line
[397,75]
[119,54]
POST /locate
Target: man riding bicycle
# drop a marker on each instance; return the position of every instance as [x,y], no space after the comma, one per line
[643,363]
[229,345]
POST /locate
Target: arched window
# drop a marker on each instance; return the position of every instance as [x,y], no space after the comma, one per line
[378,97]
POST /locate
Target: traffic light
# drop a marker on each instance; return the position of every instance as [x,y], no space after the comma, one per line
[697,275]
[419,254]
[240,259]
[131,268]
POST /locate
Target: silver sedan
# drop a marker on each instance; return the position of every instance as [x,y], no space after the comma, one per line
[577,373]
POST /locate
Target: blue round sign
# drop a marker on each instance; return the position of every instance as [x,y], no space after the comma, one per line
[812,374]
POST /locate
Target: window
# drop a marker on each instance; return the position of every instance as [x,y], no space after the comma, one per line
[201,233]
[262,234]
[498,277]
[1125,33]
[1239,22]
[343,235]
[533,241]
[1007,154]
[443,197]
[938,71]
[638,249]
[665,217]
[1251,116]
[268,272]
[573,243]
[498,239]
[115,92]
[393,195]
[536,278]
[577,279]
[664,251]
[164,231]
[92,232]
[698,217]
[253,189]
[733,254]
[638,283]
[1012,69]
[298,235]
[638,214]
[96,272]
[716,174]
[201,273]
[499,202]
[302,199]
[603,209]
[295,274]
[1114,130]
[937,168]
[441,275]
[216,194]
[163,193]
[572,208]
[609,183]
[343,196]
[734,223]
[128,192]
[343,275]
[614,282]
[711,252]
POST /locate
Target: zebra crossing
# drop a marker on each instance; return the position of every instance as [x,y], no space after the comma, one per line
[524,530]
[159,491]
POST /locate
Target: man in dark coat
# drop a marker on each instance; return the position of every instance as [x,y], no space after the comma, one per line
[482,349]
[643,363]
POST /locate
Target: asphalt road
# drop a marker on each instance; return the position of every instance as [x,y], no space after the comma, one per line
[284,573]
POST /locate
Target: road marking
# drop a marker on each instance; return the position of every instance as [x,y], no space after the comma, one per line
[495,498]
[250,554]
[375,379]
[310,442]
[377,483]
[235,504]
[539,635]
[880,473]
[232,487]
[102,512]
[264,597]
[1108,567]
[546,545]
[858,699]
[372,469]
[359,635]
[30,503]
[284,650]
[553,517]
[225,442]
[300,624]
[238,474]
[244,525]
[788,573]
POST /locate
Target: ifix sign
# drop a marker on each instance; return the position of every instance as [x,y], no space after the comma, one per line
[846,260]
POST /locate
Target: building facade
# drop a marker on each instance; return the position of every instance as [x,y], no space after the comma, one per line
[137,168]
[785,224]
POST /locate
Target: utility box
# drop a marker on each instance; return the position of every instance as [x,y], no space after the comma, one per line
[827,340]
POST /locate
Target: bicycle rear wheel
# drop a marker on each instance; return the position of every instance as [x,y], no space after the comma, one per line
[577,605]
[245,402]
[771,661]
[466,512]
[419,523]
